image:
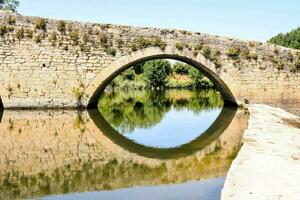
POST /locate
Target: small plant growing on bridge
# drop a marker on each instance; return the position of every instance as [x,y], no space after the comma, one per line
[61,26]
[233,52]
[38,38]
[10,28]
[179,46]
[11,20]
[158,42]
[198,47]
[85,38]
[40,23]
[28,33]
[120,43]
[254,56]
[134,47]
[246,53]
[290,56]
[103,39]
[297,64]
[78,92]
[20,33]
[53,38]
[74,36]
[280,65]
[142,42]
[206,51]
[3,30]
[112,51]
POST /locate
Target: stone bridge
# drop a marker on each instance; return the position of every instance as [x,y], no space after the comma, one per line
[56,63]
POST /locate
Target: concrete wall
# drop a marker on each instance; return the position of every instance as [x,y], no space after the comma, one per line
[44,67]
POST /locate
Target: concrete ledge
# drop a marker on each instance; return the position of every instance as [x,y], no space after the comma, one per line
[268,164]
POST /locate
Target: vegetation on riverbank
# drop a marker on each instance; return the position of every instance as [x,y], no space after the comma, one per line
[145,108]
[161,74]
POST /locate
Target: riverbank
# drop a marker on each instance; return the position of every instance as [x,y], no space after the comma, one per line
[268,164]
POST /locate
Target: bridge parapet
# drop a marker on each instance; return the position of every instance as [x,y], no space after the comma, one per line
[55,63]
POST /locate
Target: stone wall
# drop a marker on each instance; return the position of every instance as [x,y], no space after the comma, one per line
[52,63]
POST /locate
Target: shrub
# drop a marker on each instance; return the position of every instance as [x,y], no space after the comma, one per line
[280,65]
[83,47]
[112,51]
[61,26]
[246,53]
[11,20]
[179,46]
[297,64]
[206,51]
[74,36]
[134,47]
[28,33]
[276,51]
[10,28]
[233,52]
[85,38]
[157,42]
[198,47]
[20,33]
[38,38]
[120,43]
[40,23]
[141,42]
[90,30]
[3,30]
[290,56]
[103,38]
[253,56]
[53,38]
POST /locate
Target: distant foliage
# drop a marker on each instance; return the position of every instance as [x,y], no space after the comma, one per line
[290,39]
[181,68]
[9,5]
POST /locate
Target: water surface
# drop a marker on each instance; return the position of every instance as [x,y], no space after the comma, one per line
[68,154]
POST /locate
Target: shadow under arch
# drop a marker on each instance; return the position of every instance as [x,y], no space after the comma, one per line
[205,66]
[210,135]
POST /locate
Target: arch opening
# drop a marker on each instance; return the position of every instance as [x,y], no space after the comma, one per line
[206,67]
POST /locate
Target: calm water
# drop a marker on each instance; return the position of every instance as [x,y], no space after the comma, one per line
[176,144]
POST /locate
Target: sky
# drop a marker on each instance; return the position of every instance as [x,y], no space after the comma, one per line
[244,19]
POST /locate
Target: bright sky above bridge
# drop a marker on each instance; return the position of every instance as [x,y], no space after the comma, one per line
[245,19]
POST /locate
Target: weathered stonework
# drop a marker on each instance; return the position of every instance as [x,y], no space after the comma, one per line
[45,67]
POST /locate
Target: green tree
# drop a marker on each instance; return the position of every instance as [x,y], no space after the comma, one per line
[199,80]
[290,39]
[9,4]
[157,72]
[181,68]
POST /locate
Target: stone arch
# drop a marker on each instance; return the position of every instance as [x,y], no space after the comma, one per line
[222,80]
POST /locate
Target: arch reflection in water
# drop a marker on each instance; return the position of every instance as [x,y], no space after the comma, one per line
[161,118]
[60,152]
